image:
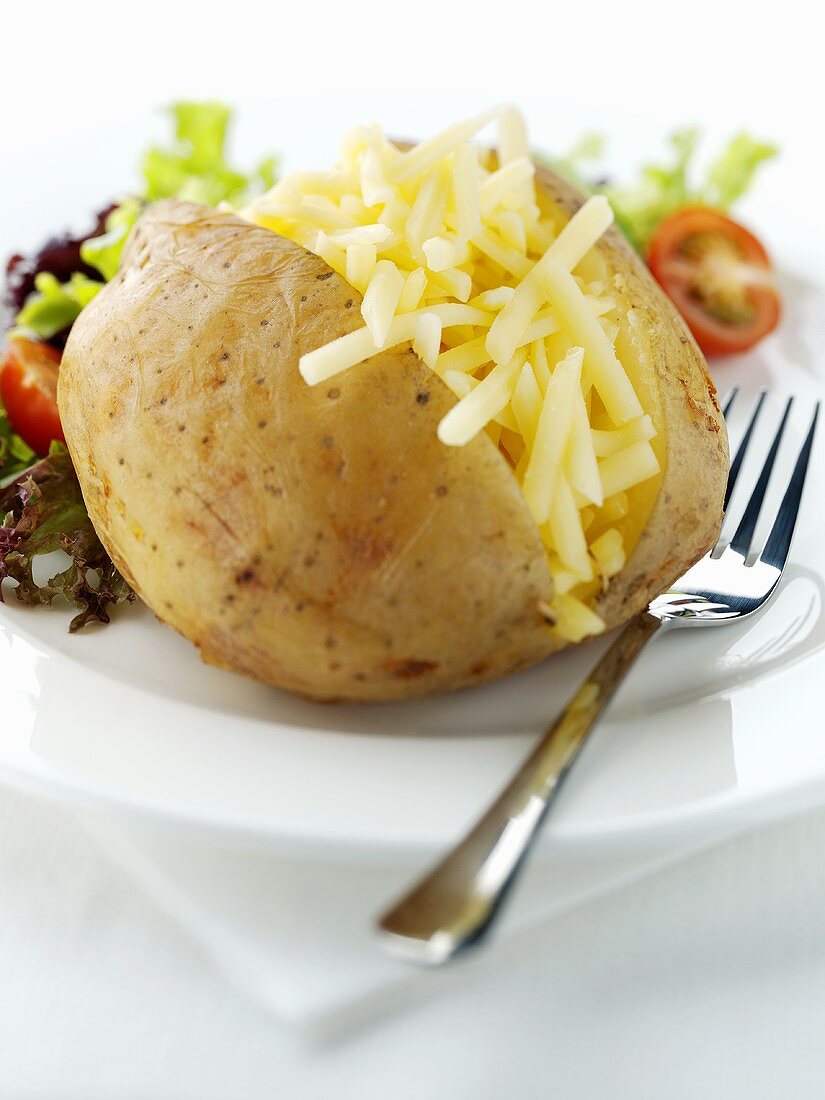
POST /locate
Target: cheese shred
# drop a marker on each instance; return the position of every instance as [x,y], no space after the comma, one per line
[455,251]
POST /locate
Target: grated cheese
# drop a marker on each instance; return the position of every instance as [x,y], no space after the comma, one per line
[456,254]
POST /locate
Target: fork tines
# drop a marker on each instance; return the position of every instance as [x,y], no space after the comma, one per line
[778,543]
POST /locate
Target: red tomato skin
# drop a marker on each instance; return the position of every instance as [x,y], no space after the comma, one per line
[28,390]
[715,337]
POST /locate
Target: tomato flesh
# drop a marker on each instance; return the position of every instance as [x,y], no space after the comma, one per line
[719,277]
[28,389]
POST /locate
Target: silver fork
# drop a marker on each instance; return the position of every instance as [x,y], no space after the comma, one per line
[454,905]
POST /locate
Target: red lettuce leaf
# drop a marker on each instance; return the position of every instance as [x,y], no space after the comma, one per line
[41,511]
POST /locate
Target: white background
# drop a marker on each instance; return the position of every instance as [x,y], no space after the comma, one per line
[704,982]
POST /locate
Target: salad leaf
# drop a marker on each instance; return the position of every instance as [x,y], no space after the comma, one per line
[42,510]
[195,167]
[53,306]
[662,189]
[731,174]
[103,252]
[15,454]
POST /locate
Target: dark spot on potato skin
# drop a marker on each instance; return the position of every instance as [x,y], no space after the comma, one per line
[422,398]
[245,576]
[441,490]
[324,275]
[411,668]
[479,668]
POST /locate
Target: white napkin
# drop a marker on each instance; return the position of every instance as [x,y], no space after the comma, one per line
[297,935]
[701,982]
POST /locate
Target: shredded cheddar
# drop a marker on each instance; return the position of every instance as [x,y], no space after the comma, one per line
[455,253]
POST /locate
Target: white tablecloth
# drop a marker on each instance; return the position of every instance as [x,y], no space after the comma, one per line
[705,980]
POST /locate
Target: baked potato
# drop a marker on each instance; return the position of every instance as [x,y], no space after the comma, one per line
[334,539]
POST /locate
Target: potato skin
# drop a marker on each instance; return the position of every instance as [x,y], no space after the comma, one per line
[322,539]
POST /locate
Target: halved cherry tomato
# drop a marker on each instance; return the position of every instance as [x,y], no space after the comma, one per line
[28,388]
[719,276]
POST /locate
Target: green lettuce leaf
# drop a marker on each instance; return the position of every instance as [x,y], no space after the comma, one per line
[195,167]
[15,454]
[664,188]
[41,511]
[731,174]
[53,306]
[103,252]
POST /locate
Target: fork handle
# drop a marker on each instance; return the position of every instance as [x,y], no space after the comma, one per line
[455,904]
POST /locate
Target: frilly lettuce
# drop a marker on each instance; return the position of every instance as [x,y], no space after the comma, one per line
[103,252]
[15,454]
[731,174]
[195,167]
[662,189]
[53,306]
[42,511]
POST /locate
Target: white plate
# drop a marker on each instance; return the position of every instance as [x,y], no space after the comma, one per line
[713,726]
